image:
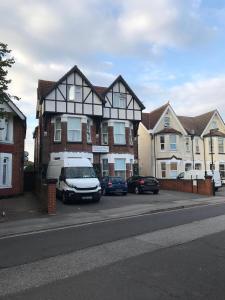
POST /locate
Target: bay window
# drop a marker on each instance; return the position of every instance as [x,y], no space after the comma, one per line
[131,135]
[74,129]
[57,130]
[198,166]
[162,142]
[197,148]
[173,142]
[221,145]
[163,169]
[5,170]
[119,133]
[188,167]
[104,133]
[173,170]
[88,131]
[120,167]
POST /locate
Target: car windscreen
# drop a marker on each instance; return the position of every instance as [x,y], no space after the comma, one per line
[79,172]
[116,179]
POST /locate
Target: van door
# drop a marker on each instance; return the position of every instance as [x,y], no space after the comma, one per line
[59,184]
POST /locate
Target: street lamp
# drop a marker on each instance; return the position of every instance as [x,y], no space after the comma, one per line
[211,146]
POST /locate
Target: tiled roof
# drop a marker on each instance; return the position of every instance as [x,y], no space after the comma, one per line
[44,86]
[100,89]
[168,130]
[150,119]
[196,125]
[215,133]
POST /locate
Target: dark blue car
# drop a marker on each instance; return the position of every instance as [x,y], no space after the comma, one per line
[113,185]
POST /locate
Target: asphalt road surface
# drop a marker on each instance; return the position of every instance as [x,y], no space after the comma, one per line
[171,255]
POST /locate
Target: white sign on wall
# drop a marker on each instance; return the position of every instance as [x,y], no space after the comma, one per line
[100,149]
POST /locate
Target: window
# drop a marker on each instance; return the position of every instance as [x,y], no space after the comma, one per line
[105,167]
[214,125]
[221,144]
[166,121]
[119,133]
[131,135]
[173,142]
[163,169]
[222,170]
[198,166]
[119,100]
[88,131]
[74,129]
[188,167]
[173,170]
[58,130]
[211,145]
[131,167]
[75,93]
[187,144]
[120,167]
[197,148]
[162,142]
[5,128]
[5,170]
[104,133]
[212,167]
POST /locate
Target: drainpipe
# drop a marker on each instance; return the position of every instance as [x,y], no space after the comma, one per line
[204,157]
[154,152]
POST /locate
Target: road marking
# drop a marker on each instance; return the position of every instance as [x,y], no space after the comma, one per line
[112,219]
[32,275]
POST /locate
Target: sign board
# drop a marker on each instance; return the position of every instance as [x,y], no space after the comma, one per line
[100,149]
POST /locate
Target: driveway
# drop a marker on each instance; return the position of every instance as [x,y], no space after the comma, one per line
[117,201]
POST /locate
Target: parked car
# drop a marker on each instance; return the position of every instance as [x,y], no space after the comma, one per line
[113,185]
[76,179]
[141,184]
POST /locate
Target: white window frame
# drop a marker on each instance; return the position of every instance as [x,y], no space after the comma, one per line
[57,130]
[220,145]
[6,130]
[88,131]
[75,93]
[197,147]
[172,142]
[166,121]
[188,167]
[119,100]
[8,157]
[131,141]
[173,172]
[119,138]
[222,170]
[162,143]
[118,171]
[104,133]
[75,130]
[187,144]
[198,164]
[163,169]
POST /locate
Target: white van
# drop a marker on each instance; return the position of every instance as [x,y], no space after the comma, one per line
[76,179]
[199,174]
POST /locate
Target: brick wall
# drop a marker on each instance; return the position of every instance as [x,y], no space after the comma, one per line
[17,150]
[202,187]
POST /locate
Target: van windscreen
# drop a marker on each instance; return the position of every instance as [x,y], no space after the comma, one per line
[79,172]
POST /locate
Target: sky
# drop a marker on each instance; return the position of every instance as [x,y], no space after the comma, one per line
[166,50]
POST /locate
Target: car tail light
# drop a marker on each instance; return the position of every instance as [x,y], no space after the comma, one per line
[141,181]
[109,184]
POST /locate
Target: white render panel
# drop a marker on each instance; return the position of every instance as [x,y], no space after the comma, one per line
[109,96]
[97,110]
[49,105]
[62,88]
[51,96]
[116,87]
[137,115]
[86,92]
[88,109]
[122,88]
[89,99]
[122,113]
[60,106]
[130,114]
[70,79]
[106,112]
[59,96]
[114,113]
[78,108]
[97,100]
[70,107]
[78,79]
[107,103]
[136,106]
[130,102]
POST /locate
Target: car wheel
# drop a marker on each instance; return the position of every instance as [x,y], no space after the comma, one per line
[124,193]
[64,198]
[136,190]
[156,192]
[104,192]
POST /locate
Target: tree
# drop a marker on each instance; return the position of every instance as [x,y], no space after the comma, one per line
[6,62]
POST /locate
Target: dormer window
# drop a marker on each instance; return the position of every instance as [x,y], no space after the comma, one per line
[119,100]
[166,121]
[75,93]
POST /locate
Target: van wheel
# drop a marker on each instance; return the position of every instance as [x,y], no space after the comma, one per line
[155,192]
[64,199]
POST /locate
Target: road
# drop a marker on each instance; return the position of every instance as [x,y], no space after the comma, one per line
[170,255]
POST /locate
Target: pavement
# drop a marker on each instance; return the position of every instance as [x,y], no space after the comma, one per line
[109,208]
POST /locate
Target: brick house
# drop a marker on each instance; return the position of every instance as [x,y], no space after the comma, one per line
[12,135]
[78,119]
